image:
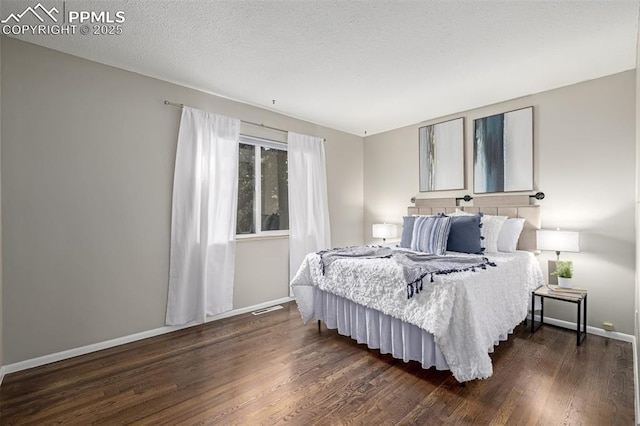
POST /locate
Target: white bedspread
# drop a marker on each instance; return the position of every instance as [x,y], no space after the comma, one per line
[467,312]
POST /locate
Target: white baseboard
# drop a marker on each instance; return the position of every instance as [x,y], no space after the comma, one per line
[59,356]
[249,309]
[590,330]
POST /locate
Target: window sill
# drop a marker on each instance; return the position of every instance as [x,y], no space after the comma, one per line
[253,237]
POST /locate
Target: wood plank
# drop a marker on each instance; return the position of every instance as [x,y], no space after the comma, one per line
[272,369]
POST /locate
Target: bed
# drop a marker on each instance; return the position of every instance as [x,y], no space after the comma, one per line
[457,318]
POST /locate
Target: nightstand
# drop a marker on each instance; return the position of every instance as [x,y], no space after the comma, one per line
[579,297]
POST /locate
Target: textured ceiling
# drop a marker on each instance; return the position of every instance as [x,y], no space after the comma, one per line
[361,66]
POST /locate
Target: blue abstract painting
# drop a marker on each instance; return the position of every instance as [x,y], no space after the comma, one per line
[503,152]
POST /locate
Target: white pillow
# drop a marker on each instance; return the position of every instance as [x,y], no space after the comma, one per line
[491,226]
[509,235]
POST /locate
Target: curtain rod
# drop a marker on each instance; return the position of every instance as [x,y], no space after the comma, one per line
[246,122]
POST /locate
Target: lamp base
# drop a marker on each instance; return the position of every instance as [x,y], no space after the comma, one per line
[551,266]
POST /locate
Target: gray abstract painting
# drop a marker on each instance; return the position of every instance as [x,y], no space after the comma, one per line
[442,156]
[503,152]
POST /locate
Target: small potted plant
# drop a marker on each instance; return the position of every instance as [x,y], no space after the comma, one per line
[564,272]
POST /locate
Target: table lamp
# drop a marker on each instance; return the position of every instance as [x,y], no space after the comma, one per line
[558,241]
[384,231]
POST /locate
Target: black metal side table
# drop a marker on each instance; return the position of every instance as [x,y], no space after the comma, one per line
[579,297]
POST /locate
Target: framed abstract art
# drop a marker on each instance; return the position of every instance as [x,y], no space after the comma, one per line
[503,152]
[442,156]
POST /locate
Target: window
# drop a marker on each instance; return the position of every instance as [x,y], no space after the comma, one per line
[262,171]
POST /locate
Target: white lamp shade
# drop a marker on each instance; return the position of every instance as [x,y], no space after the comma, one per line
[550,239]
[385,230]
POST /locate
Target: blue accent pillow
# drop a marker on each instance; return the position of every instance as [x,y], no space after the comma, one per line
[430,234]
[464,236]
[407,231]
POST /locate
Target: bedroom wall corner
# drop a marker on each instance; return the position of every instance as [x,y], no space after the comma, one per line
[345,186]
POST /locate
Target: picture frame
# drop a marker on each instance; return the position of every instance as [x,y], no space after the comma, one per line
[503,152]
[441,156]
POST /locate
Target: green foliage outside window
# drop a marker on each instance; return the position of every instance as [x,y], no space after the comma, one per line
[274,190]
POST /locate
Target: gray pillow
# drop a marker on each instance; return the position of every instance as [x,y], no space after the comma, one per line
[407,231]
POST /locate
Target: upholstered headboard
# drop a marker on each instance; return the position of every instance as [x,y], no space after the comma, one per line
[505,205]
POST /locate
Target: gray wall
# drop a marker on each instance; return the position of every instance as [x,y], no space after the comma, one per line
[87,164]
[584,148]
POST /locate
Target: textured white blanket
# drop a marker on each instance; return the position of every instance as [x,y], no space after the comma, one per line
[466,312]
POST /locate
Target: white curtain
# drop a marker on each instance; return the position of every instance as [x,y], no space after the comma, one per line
[308,206]
[203,221]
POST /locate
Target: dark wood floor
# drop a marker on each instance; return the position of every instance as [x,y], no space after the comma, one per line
[270,369]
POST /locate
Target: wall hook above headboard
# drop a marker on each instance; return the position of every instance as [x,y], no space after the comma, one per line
[466,198]
[537,196]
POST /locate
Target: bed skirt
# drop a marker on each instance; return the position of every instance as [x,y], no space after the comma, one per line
[390,335]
